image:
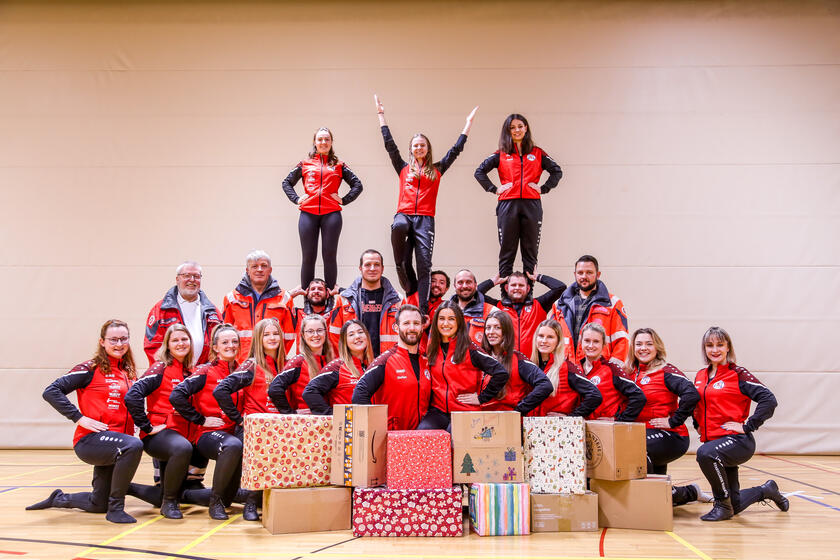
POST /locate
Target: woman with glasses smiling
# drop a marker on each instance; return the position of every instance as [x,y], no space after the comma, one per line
[286,390]
[104,429]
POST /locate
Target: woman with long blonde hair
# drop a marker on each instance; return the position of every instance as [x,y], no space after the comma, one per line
[286,390]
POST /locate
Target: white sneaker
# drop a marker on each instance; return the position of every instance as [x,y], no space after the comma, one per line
[702,497]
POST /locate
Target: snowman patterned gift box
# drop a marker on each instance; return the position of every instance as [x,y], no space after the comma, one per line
[384,512]
[555,454]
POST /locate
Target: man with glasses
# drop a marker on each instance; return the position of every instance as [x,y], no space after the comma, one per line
[184,303]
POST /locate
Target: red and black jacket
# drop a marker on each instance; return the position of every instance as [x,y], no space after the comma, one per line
[475,314]
[153,390]
[669,394]
[193,398]
[418,193]
[320,181]
[520,171]
[526,388]
[726,397]
[450,379]
[575,394]
[400,380]
[166,313]
[286,390]
[100,396]
[251,380]
[622,399]
[334,385]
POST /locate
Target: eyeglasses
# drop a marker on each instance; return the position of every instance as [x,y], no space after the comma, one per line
[190,276]
[117,340]
[313,332]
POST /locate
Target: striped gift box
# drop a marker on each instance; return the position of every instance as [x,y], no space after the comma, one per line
[500,509]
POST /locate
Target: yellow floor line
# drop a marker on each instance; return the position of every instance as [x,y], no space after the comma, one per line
[207,535]
[822,465]
[27,473]
[689,546]
[513,555]
[121,535]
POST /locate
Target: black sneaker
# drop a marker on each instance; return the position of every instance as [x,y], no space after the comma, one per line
[770,491]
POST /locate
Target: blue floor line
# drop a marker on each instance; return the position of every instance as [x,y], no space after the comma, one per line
[818,502]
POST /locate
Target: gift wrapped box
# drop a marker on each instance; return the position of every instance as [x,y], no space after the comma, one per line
[555,454]
[358,449]
[385,512]
[286,451]
[500,509]
[419,459]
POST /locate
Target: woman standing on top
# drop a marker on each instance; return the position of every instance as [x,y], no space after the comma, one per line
[320,206]
[519,211]
[414,224]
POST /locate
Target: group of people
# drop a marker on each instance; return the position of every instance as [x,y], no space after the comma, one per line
[566,352]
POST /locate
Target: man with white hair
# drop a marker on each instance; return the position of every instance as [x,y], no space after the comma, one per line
[257,297]
[186,304]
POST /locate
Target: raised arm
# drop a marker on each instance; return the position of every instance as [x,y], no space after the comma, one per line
[390,146]
[555,289]
[453,153]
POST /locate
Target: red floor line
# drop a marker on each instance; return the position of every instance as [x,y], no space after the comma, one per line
[12,552]
[800,464]
[601,544]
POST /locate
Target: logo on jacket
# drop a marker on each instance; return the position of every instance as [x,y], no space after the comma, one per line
[151,320]
[426,373]
[596,380]
[718,385]
[531,157]
[479,336]
[645,380]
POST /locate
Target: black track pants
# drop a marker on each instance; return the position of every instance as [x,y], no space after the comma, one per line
[226,450]
[520,222]
[310,226]
[115,458]
[719,460]
[175,451]
[435,419]
[414,234]
[664,446]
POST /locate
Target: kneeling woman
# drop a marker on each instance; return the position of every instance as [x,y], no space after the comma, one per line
[527,385]
[671,399]
[726,428]
[211,431]
[104,430]
[252,378]
[573,394]
[286,390]
[336,382]
[458,368]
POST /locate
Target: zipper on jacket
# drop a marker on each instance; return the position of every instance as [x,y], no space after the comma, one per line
[417,194]
[521,173]
[321,188]
[442,370]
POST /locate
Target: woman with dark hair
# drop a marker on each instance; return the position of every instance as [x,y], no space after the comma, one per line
[572,394]
[336,382]
[163,431]
[211,431]
[320,206]
[458,368]
[104,429]
[519,212]
[527,385]
[286,390]
[414,223]
[726,427]
[251,380]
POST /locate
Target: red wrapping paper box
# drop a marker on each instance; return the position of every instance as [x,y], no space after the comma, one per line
[384,512]
[419,459]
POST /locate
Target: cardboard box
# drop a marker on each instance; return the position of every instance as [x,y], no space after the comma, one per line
[419,459]
[635,504]
[615,450]
[486,429]
[555,454]
[359,435]
[500,509]
[306,510]
[384,512]
[488,464]
[554,513]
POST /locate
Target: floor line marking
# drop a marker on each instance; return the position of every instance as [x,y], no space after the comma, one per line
[62,477]
[601,542]
[19,475]
[121,535]
[819,468]
[105,547]
[9,489]
[689,546]
[14,552]
[512,556]
[209,534]
[817,502]
[790,479]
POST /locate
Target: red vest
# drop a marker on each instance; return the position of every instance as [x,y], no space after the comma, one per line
[294,392]
[158,408]
[450,380]
[661,402]
[721,400]
[418,193]
[407,396]
[320,182]
[565,399]
[522,172]
[514,391]
[205,403]
[102,400]
[255,398]
[601,375]
[342,393]
[525,324]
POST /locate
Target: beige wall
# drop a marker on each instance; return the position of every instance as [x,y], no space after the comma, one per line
[699,142]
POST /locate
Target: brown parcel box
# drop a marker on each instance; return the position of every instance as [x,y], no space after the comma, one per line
[359,433]
[487,429]
[306,510]
[487,464]
[552,513]
[635,504]
[615,450]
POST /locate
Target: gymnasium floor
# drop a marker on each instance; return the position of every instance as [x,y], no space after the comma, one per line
[810,530]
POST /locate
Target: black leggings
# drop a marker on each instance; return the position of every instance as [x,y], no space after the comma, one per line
[719,460]
[519,221]
[664,446]
[435,419]
[174,452]
[309,227]
[414,234]
[226,450]
[115,458]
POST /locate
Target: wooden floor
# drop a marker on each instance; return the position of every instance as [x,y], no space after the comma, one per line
[810,530]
